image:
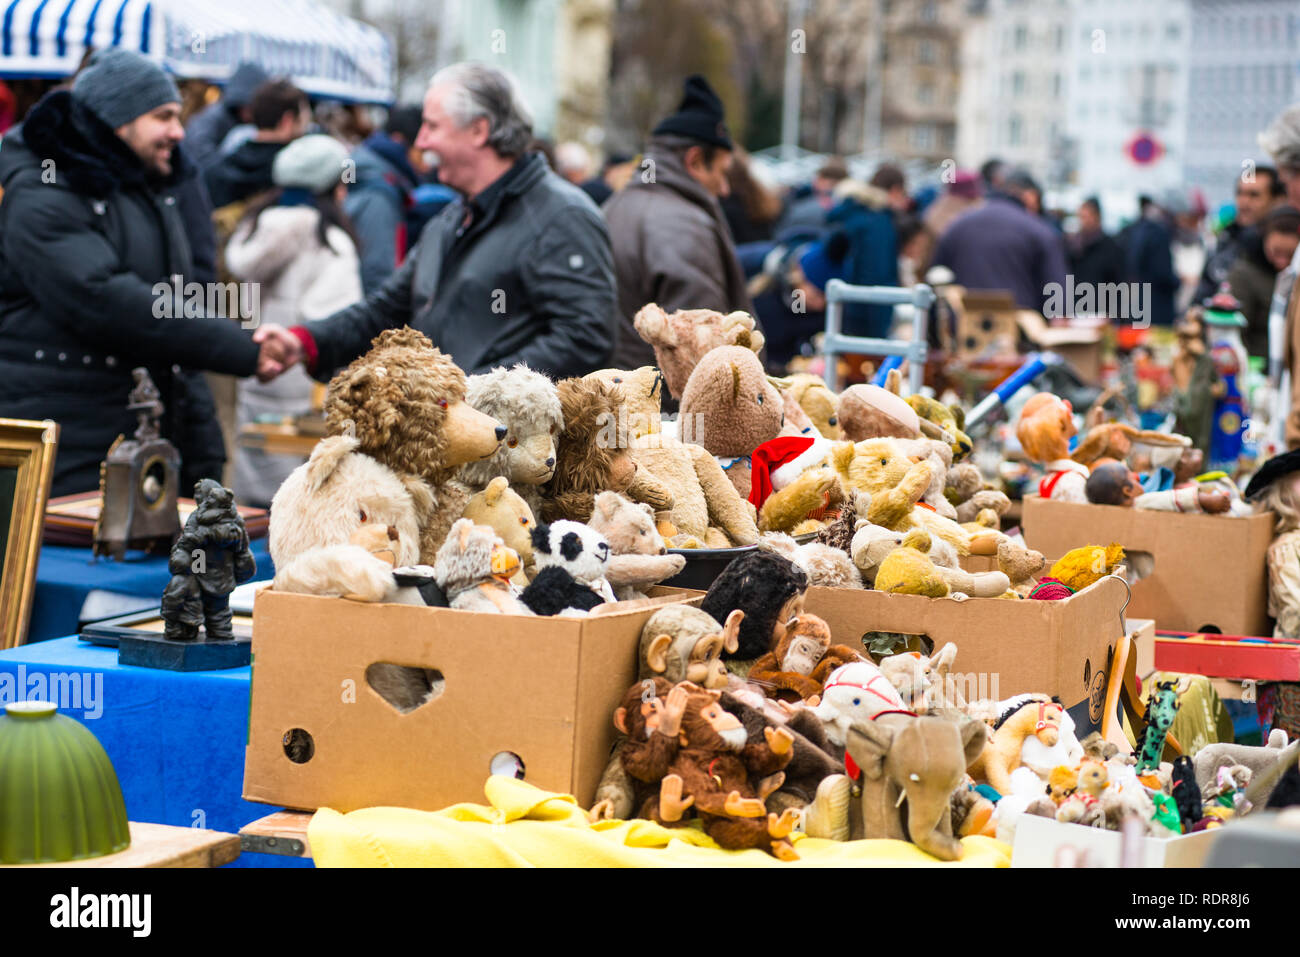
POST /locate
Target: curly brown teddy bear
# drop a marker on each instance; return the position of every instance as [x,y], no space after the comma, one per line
[588,459]
[404,403]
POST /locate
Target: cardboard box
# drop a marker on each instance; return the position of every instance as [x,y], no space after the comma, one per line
[1005,647]
[1043,842]
[543,688]
[1204,572]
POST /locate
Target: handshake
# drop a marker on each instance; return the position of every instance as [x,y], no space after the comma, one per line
[281,350]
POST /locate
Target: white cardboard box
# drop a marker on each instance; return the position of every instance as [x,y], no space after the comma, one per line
[1043,842]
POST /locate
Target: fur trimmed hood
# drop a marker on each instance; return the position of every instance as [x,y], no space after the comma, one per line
[88,156]
[864,194]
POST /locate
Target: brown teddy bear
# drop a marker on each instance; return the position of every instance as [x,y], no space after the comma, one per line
[731,409]
[588,457]
[706,510]
[680,340]
[638,556]
[506,513]
[404,403]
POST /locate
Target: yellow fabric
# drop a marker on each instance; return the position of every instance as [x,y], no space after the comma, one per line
[525,826]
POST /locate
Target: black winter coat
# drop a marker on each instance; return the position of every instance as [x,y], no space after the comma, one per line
[531,280]
[84,240]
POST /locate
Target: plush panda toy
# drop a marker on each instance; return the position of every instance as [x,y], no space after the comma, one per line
[571,559]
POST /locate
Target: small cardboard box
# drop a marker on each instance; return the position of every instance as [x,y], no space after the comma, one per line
[1043,842]
[543,688]
[1204,572]
[1005,647]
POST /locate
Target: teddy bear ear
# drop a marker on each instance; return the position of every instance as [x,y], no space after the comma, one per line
[541,537]
[735,381]
[607,504]
[326,457]
[492,494]
[652,325]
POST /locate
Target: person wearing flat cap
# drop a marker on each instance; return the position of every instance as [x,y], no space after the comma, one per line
[671,242]
[91,232]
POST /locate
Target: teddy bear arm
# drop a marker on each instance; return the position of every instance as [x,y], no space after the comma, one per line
[646,488]
[336,570]
[726,508]
[616,785]
[642,569]
[767,673]
[785,509]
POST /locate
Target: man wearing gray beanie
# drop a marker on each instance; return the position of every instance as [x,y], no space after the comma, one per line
[93,247]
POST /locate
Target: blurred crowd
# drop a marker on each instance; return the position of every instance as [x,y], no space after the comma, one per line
[453,218]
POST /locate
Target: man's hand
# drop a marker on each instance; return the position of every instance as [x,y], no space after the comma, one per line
[281,350]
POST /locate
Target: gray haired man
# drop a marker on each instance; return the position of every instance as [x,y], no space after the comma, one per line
[520,270]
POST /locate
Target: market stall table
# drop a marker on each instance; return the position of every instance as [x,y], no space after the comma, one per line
[176,739]
[65,576]
[160,845]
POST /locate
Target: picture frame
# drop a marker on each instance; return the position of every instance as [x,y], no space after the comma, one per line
[27,451]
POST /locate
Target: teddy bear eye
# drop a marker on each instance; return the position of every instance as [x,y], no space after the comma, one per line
[442,403]
[857,701]
[512,442]
[523,520]
[760,398]
[884,461]
[363,515]
[643,531]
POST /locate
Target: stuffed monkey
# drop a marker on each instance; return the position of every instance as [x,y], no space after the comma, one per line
[727,777]
[797,668]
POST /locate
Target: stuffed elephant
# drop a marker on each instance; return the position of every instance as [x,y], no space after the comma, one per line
[910,766]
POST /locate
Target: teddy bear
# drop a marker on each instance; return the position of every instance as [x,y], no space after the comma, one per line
[680,340]
[706,510]
[473,569]
[816,399]
[736,413]
[896,482]
[589,459]
[638,556]
[527,404]
[572,560]
[404,403]
[320,507]
[914,676]
[908,570]
[1076,570]
[504,511]
[1022,566]
[824,566]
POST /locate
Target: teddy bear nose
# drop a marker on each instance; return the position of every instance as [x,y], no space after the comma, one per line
[550,462]
[501,432]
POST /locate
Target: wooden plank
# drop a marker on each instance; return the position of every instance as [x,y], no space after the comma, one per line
[284,832]
[162,845]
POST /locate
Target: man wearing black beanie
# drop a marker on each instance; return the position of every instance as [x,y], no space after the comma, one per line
[92,248]
[671,241]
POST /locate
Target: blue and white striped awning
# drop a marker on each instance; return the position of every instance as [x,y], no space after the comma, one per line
[324,53]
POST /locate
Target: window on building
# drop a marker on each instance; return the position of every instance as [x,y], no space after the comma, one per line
[923,136]
[1018,83]
[1015,131]
[929,12]
[925,94]
[1021,37]
[1059,38]
[1056,85]
[925,51]
[1172,31]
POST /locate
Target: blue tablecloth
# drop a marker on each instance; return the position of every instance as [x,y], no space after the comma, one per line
[64,576]
[176,739]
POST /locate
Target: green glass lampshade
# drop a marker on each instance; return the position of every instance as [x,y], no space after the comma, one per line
[59,795]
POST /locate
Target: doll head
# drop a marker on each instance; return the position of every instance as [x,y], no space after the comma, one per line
[1112,484]
[770,591]
[1276,488]
[1045,427]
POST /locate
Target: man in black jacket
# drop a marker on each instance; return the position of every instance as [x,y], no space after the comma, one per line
[281,114]
[519,270]
[90,239]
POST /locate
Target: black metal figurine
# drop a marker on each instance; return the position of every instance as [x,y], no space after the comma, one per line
[209,559]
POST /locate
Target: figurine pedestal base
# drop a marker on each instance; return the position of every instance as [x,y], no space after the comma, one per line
[155,651]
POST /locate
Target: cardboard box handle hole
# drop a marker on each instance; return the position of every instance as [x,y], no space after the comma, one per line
[298,745]
[507,763]
[405,687]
